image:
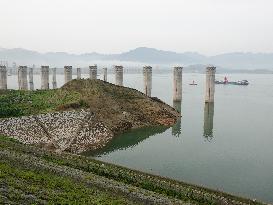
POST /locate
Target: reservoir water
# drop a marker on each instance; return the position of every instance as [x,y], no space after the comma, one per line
[226,146]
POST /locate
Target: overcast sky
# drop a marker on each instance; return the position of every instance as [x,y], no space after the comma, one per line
[112,26]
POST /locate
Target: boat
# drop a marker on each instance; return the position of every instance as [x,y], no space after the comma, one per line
[193,83]
[220,82]
[226,82]
[240,82]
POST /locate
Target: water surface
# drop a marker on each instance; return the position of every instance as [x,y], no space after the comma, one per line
[226,146]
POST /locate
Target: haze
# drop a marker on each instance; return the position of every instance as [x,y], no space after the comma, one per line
[78,26]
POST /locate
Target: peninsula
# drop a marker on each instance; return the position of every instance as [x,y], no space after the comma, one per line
[82,115]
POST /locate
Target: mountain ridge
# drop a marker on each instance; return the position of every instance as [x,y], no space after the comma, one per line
[232,60]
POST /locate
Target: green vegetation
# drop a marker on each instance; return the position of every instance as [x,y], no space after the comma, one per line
[8,139]
[25,184]
[34,186]
[60,184]
[76,94]
[16,103]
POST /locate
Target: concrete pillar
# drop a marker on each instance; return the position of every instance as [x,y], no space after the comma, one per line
[67,74]
[79,73]
[210,84]
[30,78]
[105,74]
[119,75]
[147,75]
[93,72]
[22,78]
[14,68]
[208,120]
[176,128]
[177,83]
[3,77]
[54,80]
[44,77]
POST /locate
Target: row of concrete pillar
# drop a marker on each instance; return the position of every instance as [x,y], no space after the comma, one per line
[93,73]
[147,76]
[23,73]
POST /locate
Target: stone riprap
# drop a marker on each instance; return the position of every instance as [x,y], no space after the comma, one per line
[25,129]
[75,130]
[91,137]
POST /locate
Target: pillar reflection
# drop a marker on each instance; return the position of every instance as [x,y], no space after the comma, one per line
[208,121]
[176,128]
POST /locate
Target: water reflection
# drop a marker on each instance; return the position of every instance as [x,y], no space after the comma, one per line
[126,140]
[176,128]
[208,121]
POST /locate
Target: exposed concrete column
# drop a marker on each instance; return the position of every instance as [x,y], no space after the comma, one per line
[3,78]
[105,74]
[119,75]
[30,78]
[210,84]
[79,73]
[14,68]
[93,72]
[177,83]
[208,120]
[44,77]
[67,74]
[147,75]
[22,78]
[54,80]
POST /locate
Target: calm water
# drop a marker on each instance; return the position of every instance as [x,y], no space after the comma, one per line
[228,146]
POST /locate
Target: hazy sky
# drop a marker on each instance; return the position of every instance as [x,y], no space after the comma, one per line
[112,26]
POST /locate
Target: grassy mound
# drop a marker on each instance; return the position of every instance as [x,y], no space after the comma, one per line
[15,103]
[75,94]
[118,107]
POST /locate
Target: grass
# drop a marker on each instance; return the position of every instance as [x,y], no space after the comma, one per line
[8,139]
[16,103]
[74,95]
[36,187]
[139,180]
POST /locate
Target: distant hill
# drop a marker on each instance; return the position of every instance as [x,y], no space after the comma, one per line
[142,55]
[151,55]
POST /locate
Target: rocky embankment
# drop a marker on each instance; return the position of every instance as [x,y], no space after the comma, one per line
[82,115]
[73,131]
